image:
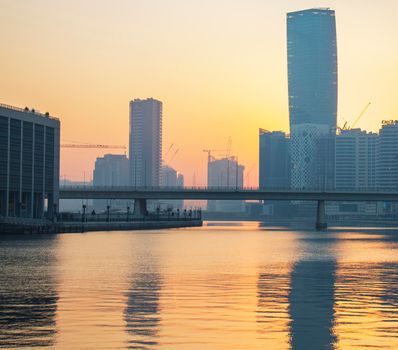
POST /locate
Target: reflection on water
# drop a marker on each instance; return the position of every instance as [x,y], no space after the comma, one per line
[142,309]
[272,305]
[28,295]
[311,297]
[216,287]
[366,314]
[366,281]
[311,302]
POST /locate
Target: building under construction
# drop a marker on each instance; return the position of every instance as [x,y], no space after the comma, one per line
[225,172]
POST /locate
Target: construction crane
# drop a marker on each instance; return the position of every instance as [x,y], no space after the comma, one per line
[227,150]
[172,157]
[346,127]
[87,145]
[247,177]
[167,153]
[208,151]
[229,144]
[360,115]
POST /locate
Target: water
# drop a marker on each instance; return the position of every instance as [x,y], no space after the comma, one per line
[223,286]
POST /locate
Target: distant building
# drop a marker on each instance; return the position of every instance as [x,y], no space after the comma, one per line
[171,178]
[387,156]
[180,180]
[274,160]
[29,163]
[111,170]
[312,81]
[355,160]
[225,173]
[74,205]
[145,147]
[355,169]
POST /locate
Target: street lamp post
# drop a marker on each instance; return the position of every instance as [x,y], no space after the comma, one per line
[84,213]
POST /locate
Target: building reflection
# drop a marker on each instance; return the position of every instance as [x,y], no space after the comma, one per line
[311,304]
[367,289]
[142,313]
[28,292]
[389,276]
[272,305]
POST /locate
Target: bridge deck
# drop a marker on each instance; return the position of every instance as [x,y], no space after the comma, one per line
[93,192]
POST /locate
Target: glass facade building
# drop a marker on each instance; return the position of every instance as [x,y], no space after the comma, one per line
[312,67]
[312,80]
[29,163]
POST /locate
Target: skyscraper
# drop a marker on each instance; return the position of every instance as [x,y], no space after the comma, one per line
[312,67]
[145,148]
[312,78]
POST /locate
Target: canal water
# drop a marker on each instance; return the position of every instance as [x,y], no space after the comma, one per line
[223,286]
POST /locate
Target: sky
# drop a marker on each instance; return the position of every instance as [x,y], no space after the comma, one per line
[218,66]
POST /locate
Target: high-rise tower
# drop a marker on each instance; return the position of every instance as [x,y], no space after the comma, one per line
[312,67]
[145,142]
[312,77]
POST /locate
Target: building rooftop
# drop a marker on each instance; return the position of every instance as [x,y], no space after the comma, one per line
[315,10]
[27,110]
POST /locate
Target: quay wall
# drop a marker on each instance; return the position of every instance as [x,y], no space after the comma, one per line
[63,227]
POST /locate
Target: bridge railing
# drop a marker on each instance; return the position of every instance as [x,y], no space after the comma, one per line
[185,215]
[227,189]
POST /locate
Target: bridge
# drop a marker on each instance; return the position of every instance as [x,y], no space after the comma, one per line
[141,194]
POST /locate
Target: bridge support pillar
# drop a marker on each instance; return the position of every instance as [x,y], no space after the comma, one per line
[321,216]
[140,207]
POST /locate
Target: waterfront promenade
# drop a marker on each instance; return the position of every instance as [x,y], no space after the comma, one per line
[80,222]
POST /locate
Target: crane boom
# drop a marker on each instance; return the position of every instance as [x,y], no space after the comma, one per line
[229,144]
[360,115]
[168,151]
[174,154]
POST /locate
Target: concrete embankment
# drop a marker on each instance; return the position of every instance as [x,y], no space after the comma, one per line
[62,227]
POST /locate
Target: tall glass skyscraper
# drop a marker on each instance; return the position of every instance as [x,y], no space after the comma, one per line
[312,77]
[312,67]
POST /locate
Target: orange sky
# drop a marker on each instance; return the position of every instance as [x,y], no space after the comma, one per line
[219,66]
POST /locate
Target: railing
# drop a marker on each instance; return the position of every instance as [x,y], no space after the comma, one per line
[227,189]
[27,110]
[186,215]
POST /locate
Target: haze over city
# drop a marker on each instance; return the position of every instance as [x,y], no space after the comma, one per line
[185,174]
[219,67]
